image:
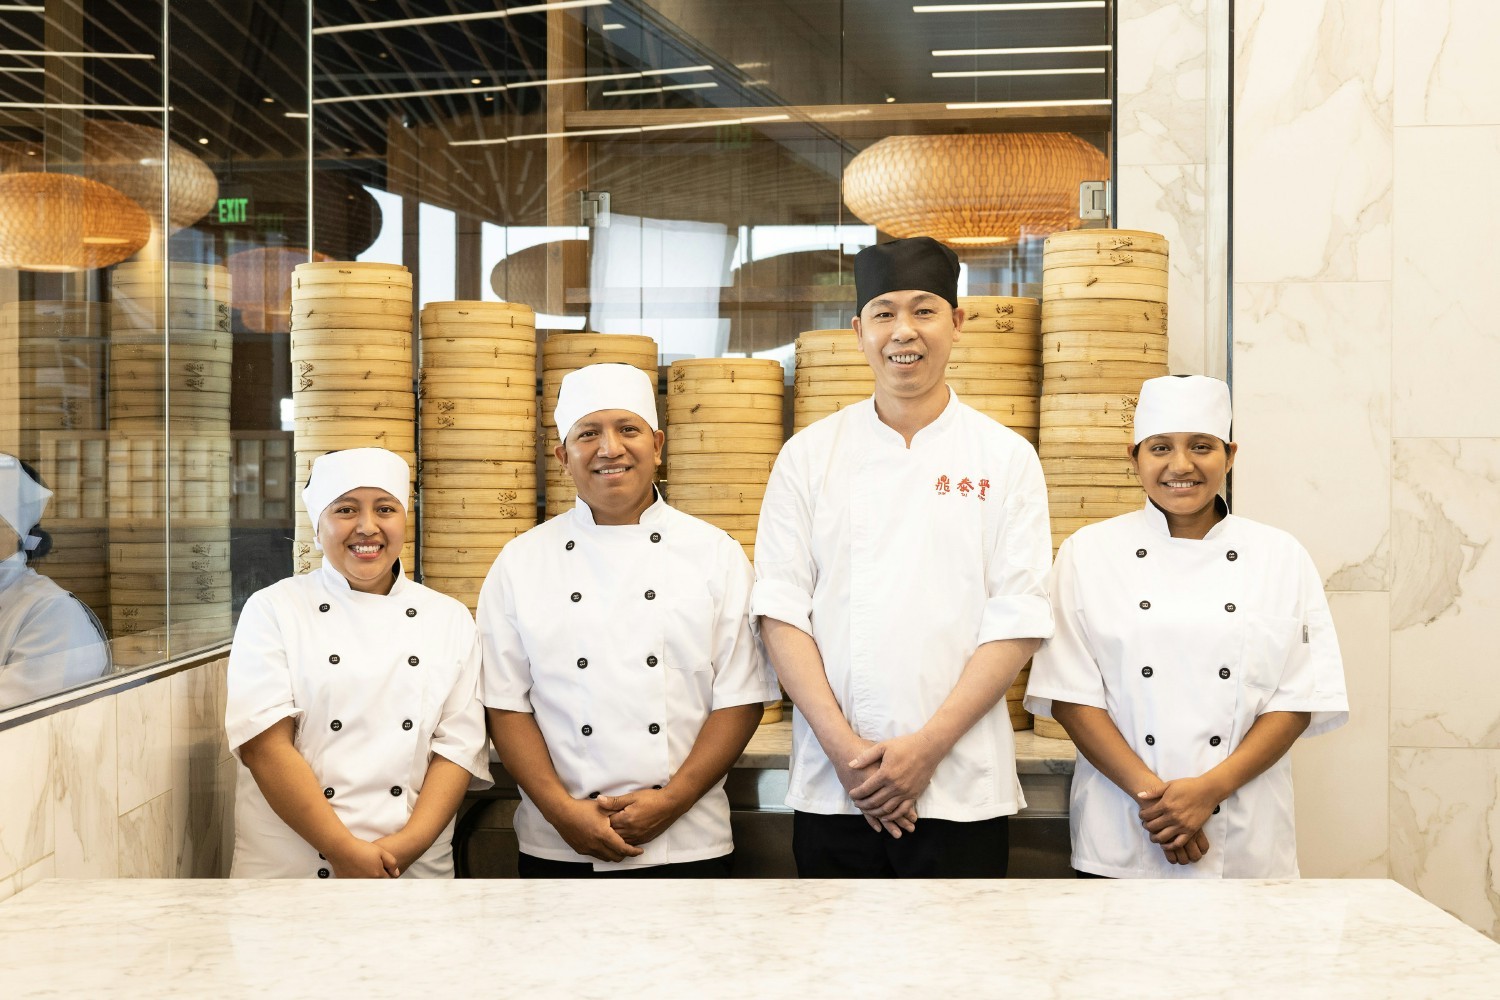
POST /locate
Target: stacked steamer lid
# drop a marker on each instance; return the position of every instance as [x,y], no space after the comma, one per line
[478,407]
[832,373]
[996,366]
[1104,332]
[171,353]
[52,373]
[725,415]
[726,419]
[351,376]
[566,352]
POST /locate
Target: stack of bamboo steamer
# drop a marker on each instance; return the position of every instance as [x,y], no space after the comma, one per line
[171,353]
[352,383]
[566,352]
[478,421]
[725,415]
[1104,332]
[52,372]
[832,373]
[52,363]
[726,419]
[996,366]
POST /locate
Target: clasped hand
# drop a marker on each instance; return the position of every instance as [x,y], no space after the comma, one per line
[1173,815]
[885,779]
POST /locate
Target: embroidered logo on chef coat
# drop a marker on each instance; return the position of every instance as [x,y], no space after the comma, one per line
[944,486]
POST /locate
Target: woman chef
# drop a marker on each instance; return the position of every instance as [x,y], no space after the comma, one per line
[48,639]
[1193,648]
[621,676]
[353,697]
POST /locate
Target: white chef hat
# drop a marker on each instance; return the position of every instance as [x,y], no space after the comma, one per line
[338,472]
[1178,404]
[604,387]
[22,500]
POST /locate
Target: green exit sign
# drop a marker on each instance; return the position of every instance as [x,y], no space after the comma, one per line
[234,211]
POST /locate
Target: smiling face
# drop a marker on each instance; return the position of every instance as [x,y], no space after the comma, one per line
[362,533]
[907,337]
[1182,474]
[612,456]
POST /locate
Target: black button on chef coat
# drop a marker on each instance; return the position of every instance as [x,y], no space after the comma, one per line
[323,607]
[1145,605]
[650,595]
[328,793]
[1214,741]
[334,658]
[413,660]
[582,662]
[1146,671]
[1229,608]
[395,789]
[335,725]
[587,730]
[411,612]
[405,723]
[1231,555]
[651,660]
[654,728]
[323,873]
[1150,741]
[656,537]
[569,546]
[1224,673]
[576,597]
[1140,553]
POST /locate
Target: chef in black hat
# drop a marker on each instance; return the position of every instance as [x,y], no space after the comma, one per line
[901,584]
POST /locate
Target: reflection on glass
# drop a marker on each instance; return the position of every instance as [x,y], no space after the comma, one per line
[49,640]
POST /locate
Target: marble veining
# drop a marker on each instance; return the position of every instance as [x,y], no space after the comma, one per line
[1161,81]
[145,842]
[1294,343]
[85,790]
[144,742]
[1445,332]
[199,750]
[1049,938]
[1445,831]
[26,811]
[1169,199]
[1446,45]
[1445,598]
[1313,170]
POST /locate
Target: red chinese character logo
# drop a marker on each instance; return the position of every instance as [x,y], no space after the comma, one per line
[984,485]
[942,485]
[965,487]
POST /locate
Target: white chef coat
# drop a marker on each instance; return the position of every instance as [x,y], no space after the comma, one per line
[377,684]
[621,640]
[900,563]
[48,640]
[1185,643]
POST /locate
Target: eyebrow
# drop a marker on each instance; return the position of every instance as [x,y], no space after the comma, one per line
[348,498]
[883,301]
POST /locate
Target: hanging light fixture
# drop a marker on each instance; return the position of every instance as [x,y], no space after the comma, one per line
[972,190]
[58,222]
[128,158]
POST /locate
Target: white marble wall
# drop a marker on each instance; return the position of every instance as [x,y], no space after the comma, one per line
[139,784]
[1367,137]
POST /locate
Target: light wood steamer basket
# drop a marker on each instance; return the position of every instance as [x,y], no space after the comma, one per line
[468,498]
[53,361]
[1019,718]
[831,373]
[705,400]
[1001,342]
[566,352]
[1104,332]
[181,381]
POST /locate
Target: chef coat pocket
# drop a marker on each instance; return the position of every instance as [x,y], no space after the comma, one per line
[1269,640]
[687,642]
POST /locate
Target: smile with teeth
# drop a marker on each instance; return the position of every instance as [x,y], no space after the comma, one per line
[612,470]
[1179,484]
[905,359]
[365,548]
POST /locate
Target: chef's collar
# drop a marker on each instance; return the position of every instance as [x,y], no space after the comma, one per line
[943,421]
[337,582]
[1158,520]
[11,567]
[583,514]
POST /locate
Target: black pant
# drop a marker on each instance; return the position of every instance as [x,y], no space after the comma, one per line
[846,847]
[530,866]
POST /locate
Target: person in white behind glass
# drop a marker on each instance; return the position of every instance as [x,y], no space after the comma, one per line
[1193,648]
[353,703]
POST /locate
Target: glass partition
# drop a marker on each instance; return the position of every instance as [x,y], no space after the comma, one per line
[153,174]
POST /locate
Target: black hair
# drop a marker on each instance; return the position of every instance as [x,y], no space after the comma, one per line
[44,540]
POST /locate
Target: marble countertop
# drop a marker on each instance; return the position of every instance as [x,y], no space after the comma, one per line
[1035,939]
[771,748]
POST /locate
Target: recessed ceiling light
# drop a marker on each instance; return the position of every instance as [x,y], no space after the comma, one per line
[203,141]
[612,26]
[474,79]
[268,100]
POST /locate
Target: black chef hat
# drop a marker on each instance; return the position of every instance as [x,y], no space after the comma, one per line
[920,263]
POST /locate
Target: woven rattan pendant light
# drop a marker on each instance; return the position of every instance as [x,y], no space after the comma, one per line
[58,222]
[972,190]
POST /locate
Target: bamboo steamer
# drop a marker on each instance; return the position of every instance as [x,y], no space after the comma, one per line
[509,355]
[757,467]
[987,306]
[488,473]
[1090,275]
[1049,728]
[512,327]
[1106,315]
[688,405]
[341,272]
[472,405]
[1092,290]
[1106,258]
[469,383]
[369,354]
[1109,240]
